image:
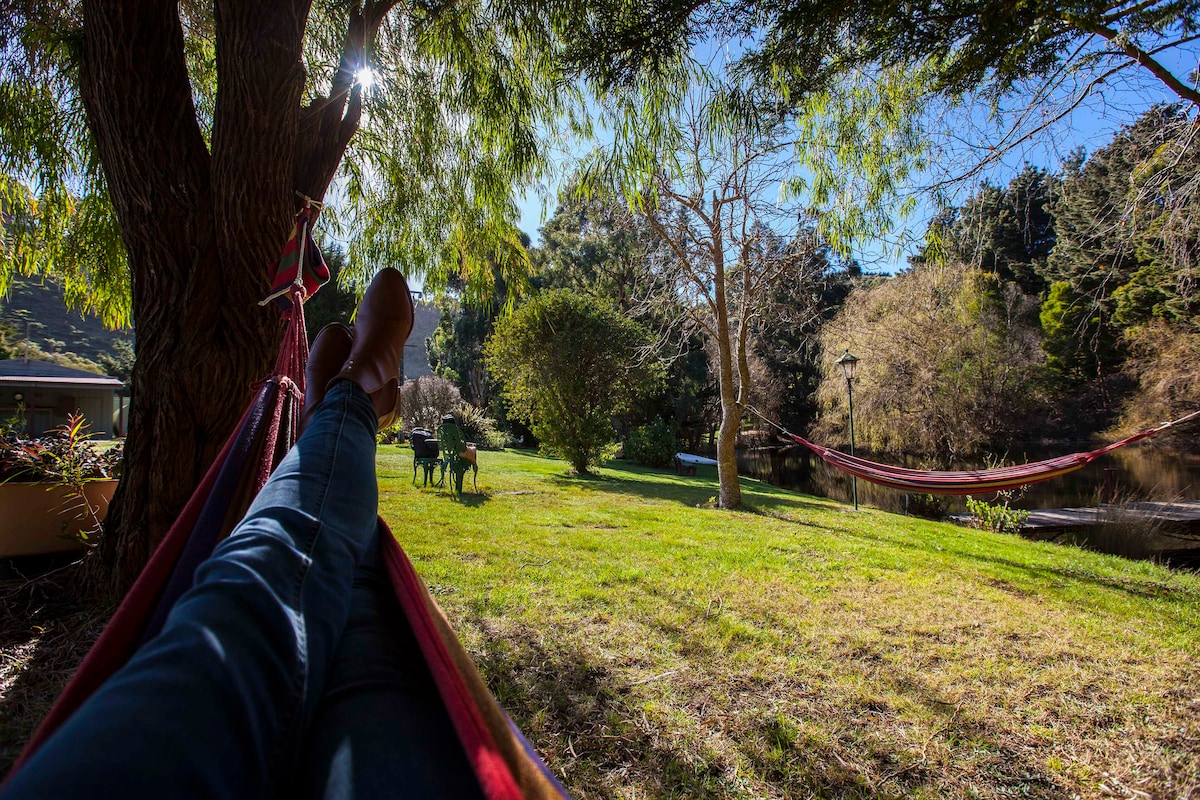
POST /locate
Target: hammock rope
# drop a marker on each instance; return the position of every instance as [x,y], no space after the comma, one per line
[503,761]
[979,481]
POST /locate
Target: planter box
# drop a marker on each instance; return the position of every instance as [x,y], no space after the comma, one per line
[42,518]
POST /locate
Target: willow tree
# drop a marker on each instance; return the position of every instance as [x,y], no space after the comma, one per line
[154,152]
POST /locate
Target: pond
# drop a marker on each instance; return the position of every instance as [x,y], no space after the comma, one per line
[1141,473]
[1138,473]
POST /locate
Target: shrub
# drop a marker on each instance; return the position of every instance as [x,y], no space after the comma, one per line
[392,434]
[955,364]
[996,517]
[424,401]
[653,445]
[66,458]
[569,363]
[928,506]
[478,427]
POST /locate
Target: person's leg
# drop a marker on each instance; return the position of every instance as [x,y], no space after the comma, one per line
[218,703]
[381,729]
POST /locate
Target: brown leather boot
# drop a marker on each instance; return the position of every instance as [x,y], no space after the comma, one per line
[329,352]
[381,326]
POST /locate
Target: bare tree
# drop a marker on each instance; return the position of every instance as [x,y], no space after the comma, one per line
[735,233]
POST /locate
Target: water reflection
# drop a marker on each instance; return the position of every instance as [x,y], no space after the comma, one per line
[1141,473]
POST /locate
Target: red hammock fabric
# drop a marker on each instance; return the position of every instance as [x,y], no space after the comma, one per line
[505,763]
[979,481]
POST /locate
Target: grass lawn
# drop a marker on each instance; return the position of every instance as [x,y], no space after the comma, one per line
[651,646]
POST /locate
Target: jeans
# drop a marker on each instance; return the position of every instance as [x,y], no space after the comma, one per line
[286,669]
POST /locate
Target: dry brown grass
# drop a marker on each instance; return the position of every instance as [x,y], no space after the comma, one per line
[45,631]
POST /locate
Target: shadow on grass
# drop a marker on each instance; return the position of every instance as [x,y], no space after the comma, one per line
[528,453]
[1045,574]
[45,631]
[845,754]
[701,490]
[470,499]
[592,726]
[471,496]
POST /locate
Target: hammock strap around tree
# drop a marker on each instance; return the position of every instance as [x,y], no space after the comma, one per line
[504,762]
[966,481]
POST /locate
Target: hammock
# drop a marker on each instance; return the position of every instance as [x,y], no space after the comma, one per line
[504,762]
[980,481]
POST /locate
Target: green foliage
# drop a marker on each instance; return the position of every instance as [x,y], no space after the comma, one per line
[14,345]
[1081,342]
[456,349]
[337,299]
[734,184]
[569,364]
[57,216]
[996,517]
[473,87]
[929,506]
[652,445]
[998,48]
[596,245]
[970,47]
[1009,230]
[119,362]
[859,142]
[787,334]
[477,427]
[599,247]
[840,153]
[1109,246]
[1109,210]
[392,434]
[951,364]
[65,458]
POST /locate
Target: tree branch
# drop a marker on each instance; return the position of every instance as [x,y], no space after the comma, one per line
[682,255]
[327,124]
[1136,54]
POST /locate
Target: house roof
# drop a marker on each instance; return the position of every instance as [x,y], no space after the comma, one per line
[42,373]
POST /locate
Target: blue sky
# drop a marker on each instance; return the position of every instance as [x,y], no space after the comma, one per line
[1090,126]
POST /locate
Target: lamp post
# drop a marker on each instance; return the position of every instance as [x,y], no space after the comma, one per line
[848,362]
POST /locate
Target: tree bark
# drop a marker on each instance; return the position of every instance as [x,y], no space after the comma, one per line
[730,489]
[200,231]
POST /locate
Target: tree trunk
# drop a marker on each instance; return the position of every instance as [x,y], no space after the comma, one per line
[731,409]
[727,474]
[200,231]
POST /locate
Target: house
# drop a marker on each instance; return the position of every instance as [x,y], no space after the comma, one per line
[49,392]
[426,317]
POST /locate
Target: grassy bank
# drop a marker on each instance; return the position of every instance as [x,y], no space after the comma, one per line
[651,646]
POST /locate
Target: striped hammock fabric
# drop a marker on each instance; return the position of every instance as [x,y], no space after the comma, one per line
[301,264]
[981,481]
[505,763]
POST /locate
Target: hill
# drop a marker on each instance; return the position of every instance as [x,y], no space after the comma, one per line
[38,308]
